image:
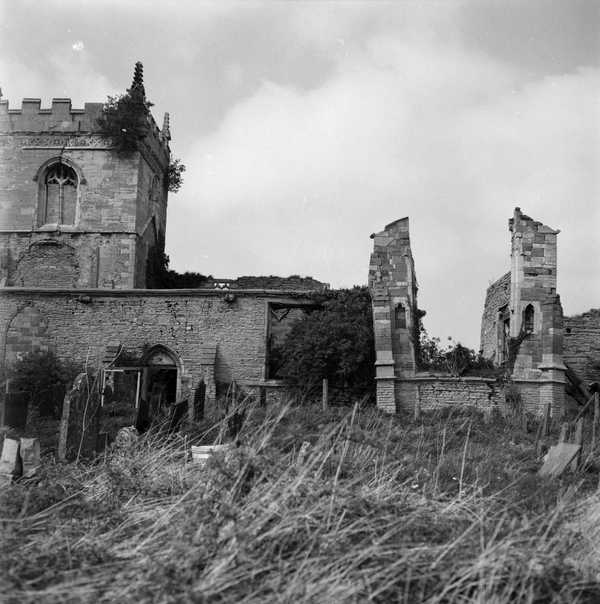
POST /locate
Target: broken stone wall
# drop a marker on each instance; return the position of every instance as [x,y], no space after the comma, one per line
[522,325]
[393,288]
[497,297]
[82,324]
[433,392]
[536,321]
[581,349]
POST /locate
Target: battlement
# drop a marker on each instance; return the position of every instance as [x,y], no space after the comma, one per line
[61,117]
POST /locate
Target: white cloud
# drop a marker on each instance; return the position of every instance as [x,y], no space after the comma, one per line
[295,181]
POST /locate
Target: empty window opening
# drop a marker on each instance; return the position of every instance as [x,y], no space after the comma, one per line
[503,334]
[528,319]
[281,320]
[400,317]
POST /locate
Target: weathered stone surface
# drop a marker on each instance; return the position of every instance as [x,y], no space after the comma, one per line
[187,322]
[30,456]
[120,207]
[558,458]
[497,296]
[10,461]
[393,287]
[582,344]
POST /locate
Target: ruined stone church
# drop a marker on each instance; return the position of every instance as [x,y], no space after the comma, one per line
[78,222]
[549,360]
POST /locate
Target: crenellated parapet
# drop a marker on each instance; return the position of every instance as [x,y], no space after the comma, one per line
[61,118]
[78,207]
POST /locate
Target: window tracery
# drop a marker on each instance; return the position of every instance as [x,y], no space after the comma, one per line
[58,195]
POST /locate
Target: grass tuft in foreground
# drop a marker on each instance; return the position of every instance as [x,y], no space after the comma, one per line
[377,508]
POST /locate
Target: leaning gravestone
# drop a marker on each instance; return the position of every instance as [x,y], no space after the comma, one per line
[80,419]
[558,458]
[10,462]
[30,456]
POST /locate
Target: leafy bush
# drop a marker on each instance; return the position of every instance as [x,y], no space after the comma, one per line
[174,175]
[455,358]
[45,378]
[334,342]
[125,117]
[160,276]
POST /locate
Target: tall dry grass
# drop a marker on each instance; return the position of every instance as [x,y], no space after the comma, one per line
[377,508]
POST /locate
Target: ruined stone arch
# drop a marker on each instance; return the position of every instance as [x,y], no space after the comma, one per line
[162,365]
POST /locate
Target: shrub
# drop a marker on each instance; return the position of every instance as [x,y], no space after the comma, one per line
[125,118]
[455,359]
[174,175]
[160,276]
[45,378]
[334,342]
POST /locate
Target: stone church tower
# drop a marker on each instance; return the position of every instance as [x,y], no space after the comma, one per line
[74,213]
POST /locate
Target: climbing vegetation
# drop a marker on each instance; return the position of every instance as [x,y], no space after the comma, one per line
[335,342]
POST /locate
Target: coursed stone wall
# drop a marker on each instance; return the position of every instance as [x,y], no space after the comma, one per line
[581,344]
[80,325]
[497,296]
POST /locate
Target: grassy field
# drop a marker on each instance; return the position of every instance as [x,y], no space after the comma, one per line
[448,508]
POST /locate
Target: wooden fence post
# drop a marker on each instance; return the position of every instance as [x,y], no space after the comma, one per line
[3,403]
[595,422]
[418,404]
[325,394]
[547,420]
[64,427]
[564,429]
[577,440]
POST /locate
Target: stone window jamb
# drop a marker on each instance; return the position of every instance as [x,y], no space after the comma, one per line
[41,207]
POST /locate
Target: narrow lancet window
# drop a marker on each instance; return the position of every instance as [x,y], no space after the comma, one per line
[400,317]
[528,319]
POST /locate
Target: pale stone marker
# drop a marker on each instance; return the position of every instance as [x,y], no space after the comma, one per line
[558,458]
[10,462]
[30,456]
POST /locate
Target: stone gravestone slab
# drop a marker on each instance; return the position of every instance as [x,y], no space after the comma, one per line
[10,462]
[30,456]
[558,458]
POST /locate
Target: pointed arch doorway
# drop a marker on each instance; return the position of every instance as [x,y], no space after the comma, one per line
[160,385]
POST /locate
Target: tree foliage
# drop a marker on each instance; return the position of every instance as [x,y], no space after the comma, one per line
[454,358]
[160,276]
[125,119]
[45,378]
[175,175]
[334,342]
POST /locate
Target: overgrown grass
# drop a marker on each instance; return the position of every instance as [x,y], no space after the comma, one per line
[377,508]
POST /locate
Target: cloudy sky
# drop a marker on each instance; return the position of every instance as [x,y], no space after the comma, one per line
[306,126]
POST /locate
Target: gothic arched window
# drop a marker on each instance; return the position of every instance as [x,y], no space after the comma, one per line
[58,195]
[155,188]
[400,317]
[528,316]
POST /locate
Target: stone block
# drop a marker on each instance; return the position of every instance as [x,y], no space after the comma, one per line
[30,456]
[10,462]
